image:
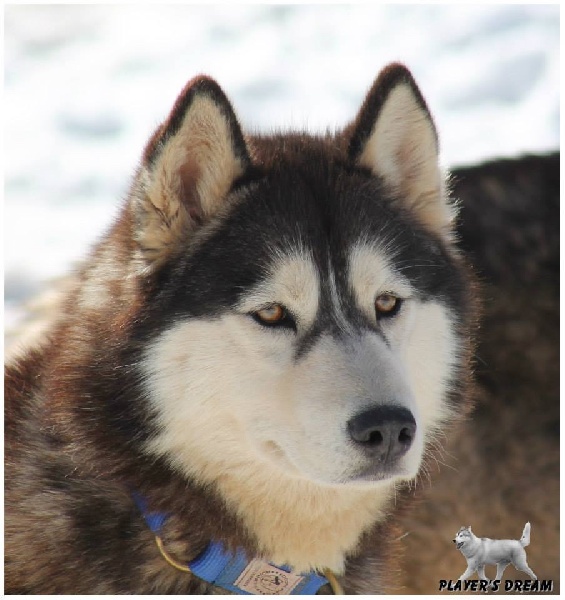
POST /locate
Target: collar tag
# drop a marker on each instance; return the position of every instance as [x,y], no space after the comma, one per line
[235,573]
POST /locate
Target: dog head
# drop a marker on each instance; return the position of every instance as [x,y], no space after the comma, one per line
[463,536]
[309,313]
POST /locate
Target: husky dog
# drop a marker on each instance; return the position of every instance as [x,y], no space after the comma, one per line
[251,368]
[483,551]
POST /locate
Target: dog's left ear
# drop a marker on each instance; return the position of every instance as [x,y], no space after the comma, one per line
[187,171]
[394,136]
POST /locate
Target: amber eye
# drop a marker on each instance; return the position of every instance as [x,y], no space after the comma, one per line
[387,305]
[271,315]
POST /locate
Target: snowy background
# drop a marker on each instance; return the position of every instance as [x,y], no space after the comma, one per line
[86,85]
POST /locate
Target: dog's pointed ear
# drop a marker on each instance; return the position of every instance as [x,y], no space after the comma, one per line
[394,136]
[188,168]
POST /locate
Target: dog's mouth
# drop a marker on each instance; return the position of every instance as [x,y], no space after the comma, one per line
[367,475]
[376,472]
[459,544]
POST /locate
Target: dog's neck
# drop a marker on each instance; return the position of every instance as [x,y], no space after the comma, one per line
[302,524]
[470,548]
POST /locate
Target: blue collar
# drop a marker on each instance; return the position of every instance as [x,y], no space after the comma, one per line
[234,571]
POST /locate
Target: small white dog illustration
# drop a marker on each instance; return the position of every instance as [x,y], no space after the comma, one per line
[484,551]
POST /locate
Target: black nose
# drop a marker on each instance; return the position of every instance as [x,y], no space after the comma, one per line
[385,432]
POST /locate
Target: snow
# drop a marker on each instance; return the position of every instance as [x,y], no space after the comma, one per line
[86,85]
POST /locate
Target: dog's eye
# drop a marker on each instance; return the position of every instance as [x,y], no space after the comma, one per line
[387,305]
[273,315]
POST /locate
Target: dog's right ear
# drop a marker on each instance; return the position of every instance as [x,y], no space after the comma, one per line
[188,168]
[394,136]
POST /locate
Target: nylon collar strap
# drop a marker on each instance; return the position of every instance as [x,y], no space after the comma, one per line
[234,571]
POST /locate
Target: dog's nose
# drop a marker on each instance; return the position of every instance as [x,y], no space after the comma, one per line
[385,432]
